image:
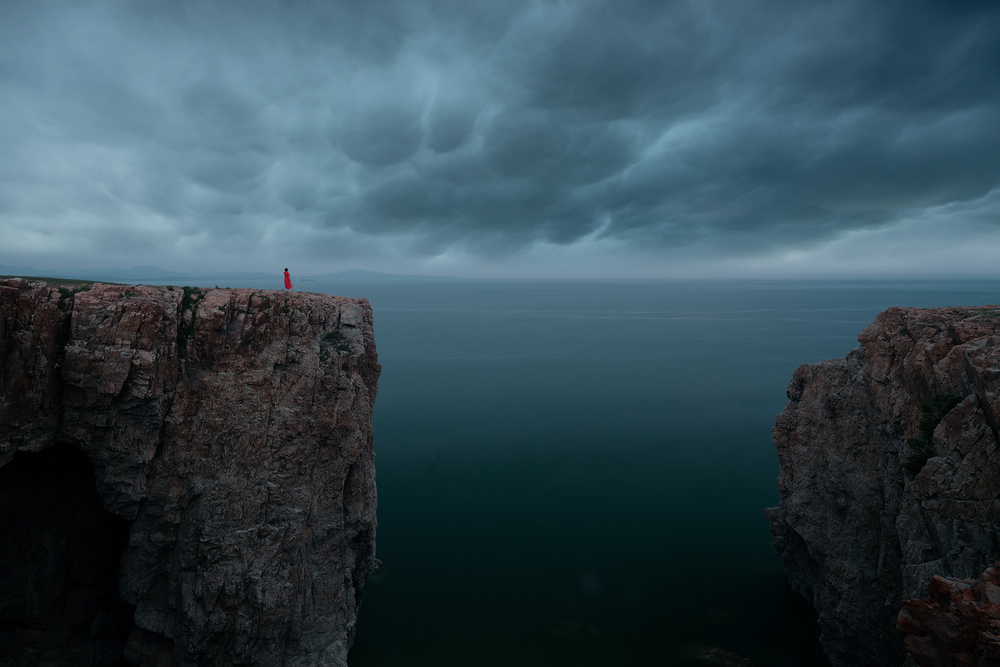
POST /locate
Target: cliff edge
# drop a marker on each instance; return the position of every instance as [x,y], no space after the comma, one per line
[186,475]
[890,473]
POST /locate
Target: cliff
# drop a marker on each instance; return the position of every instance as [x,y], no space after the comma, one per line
[186,476]
[889,474]
[958,625]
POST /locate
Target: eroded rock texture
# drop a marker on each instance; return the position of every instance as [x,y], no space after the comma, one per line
[224,464]
[856,532]
[958,625]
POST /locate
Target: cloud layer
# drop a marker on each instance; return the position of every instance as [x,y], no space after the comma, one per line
[416,131]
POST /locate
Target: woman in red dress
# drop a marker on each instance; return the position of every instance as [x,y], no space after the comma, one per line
[288,280]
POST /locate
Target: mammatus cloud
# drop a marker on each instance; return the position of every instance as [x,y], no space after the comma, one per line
[445,133]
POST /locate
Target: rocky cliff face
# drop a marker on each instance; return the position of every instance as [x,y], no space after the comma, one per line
[186,476]
[890,473]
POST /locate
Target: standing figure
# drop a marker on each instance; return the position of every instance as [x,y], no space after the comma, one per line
[288,280]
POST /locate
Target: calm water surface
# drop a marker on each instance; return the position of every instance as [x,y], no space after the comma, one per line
[574,473]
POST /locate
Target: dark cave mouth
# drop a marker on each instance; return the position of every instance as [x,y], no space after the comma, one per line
[59,563]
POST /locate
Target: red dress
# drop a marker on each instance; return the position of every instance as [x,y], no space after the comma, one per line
[288,281]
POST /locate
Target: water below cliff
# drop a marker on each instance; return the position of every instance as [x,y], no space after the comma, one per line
[573,473]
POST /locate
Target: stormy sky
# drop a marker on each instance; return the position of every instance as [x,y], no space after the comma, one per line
[503,138]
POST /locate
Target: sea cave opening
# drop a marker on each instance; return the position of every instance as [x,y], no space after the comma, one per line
[60,554]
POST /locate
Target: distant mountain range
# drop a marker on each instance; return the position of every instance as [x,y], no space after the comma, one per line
[143,274]
[375,276]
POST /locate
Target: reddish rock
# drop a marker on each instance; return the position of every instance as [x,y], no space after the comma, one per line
[956,625]
[229,430]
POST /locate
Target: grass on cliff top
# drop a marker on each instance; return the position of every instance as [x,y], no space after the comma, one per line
[62,281]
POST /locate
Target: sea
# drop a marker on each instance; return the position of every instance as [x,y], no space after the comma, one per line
[574,473]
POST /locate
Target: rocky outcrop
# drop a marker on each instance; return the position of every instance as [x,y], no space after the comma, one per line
[958,625]
[889,473]
[206,454]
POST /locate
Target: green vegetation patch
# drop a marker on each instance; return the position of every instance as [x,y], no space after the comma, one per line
[922,447]
[192,295]
[65,297]
[66,293]
[337,339]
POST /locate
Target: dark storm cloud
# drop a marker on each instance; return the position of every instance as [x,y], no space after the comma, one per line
[488,127]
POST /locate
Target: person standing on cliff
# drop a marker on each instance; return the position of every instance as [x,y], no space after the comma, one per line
[288,279]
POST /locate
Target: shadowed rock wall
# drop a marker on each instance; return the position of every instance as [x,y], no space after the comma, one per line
[231,429]
[858,533]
